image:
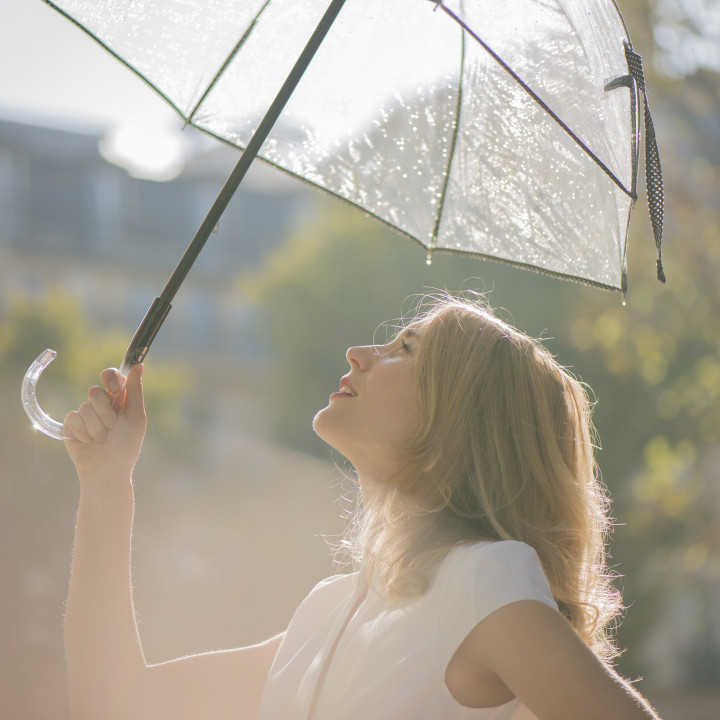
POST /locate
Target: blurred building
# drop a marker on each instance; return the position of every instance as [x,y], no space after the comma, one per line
[71,218]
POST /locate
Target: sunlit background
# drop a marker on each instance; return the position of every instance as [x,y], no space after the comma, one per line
[100,192]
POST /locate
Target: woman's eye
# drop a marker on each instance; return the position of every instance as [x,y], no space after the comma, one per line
[406,347]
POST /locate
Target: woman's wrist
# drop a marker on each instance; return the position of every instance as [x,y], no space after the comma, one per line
[110,485]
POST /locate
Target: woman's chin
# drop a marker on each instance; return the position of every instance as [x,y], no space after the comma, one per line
[327,431]
[321,426]
[317,421]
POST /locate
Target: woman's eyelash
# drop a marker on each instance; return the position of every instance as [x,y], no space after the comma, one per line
[406,347]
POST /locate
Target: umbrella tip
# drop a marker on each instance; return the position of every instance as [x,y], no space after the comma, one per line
[660,270]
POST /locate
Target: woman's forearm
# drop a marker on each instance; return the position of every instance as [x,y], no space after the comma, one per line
[109,679]
[104,655]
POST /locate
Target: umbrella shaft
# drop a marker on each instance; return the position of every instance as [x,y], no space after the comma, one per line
[158,311]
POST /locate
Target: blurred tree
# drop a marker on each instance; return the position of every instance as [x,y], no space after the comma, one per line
[656,363]
[659,407]
[687,34]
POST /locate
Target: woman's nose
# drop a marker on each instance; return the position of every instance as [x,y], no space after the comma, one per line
[359,356]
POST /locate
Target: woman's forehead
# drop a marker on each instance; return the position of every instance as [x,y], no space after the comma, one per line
[463,317]
[394,330]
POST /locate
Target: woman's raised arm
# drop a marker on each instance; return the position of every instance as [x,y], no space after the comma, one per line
[107,672]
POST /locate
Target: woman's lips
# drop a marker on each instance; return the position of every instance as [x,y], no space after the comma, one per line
[346,389]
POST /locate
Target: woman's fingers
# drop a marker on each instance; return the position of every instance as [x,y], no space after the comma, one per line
[134,403]
[93,422]
[112,380]
[101,402]
[74,427]
[85,425]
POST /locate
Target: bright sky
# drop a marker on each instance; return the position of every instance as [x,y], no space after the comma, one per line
[53,73]
[53,69]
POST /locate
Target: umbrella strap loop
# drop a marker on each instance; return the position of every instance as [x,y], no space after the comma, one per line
[653,171]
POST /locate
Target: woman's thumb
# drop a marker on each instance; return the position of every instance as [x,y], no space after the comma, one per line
[134,405]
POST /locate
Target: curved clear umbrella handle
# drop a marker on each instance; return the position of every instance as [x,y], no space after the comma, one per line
[41,421]
[38,417]
[136,352]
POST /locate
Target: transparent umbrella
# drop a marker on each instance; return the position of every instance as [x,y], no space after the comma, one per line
[508,131]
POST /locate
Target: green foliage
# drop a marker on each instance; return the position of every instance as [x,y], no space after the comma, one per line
[655,366]
[55,321]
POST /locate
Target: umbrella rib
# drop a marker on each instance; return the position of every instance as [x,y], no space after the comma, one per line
[119,58]
[451,154]
[227,62]
[536,98]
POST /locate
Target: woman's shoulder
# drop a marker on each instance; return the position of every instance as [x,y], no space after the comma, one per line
[331,590]
[497,571]
[323,600]
[493,549]
[340,584]
[487,574]
[493,554]
[476,579]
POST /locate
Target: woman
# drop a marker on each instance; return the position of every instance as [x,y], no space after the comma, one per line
[482,590]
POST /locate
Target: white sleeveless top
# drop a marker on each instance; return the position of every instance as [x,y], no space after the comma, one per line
[390,661]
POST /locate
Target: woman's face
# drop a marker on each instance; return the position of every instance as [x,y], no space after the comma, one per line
[375,411]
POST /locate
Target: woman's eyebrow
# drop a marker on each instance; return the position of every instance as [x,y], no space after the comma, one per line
[403,334]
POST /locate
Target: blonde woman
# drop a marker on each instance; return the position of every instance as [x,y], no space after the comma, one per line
[481,591]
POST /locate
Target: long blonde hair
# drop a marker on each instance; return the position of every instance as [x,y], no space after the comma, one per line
[504,451]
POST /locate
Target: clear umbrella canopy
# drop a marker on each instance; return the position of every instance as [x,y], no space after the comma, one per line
[504,130]
[407,116]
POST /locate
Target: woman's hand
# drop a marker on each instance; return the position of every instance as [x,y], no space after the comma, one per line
[108,429]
